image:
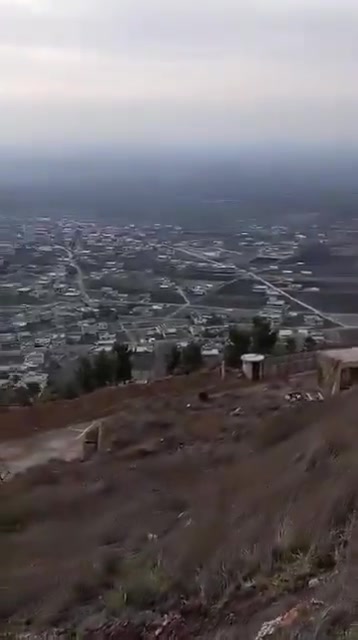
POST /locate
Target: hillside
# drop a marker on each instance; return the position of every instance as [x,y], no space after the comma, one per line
[22,422]
[201,519]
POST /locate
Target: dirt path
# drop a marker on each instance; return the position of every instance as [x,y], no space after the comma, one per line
[64,444]
[21,422]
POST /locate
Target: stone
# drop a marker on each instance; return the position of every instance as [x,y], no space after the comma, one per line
[313,583]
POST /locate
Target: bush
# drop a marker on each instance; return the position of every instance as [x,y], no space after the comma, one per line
[110,562]
[191,357]
[85,589]
[115,601]
[290,544]
[13,518]
[141,584]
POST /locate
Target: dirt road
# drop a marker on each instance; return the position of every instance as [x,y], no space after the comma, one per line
[65,444]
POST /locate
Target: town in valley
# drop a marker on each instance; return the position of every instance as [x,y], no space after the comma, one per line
[73,288]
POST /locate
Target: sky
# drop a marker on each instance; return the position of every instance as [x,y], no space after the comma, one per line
[178,73]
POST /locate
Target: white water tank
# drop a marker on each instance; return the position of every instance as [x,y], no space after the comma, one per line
[253,366]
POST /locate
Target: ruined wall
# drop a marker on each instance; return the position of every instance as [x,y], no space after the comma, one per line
[292,364]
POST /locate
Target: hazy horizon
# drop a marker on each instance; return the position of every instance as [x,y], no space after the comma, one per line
[153,75]
[156,110]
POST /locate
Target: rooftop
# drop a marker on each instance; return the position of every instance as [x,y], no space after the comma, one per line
[343,355]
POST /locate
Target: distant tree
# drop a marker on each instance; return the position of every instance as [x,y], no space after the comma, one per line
[310,344]
[85,375]
[103,369]
[122,363]
[70,391]
[7,396]
[70,271]
[214,320]
[191,357]
[22,396]
[53,366]
[238,344]
[87,338]
[173,359]
[88,314]
[50,393]
[34,389]
[107,313]
[208,333]
[291,345]
[279,349]
[264,337]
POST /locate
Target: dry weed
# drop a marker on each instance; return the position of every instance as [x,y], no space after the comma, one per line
[141,583]
[116,601]
[276,431]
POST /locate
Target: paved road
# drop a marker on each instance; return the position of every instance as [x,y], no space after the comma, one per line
[288,296]
[183,295]
[182,307]
[262,280]
[214,290]
[175,313]
[81,284]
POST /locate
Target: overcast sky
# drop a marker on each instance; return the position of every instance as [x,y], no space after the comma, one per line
[170,72]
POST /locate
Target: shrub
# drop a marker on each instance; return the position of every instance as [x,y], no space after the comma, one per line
[13,517]
[147,587]
[110,562]
[141,584]
[115,601]
[85,589]
[290,543]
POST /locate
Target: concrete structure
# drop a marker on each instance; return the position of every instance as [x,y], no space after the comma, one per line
[337,369]
[253,366]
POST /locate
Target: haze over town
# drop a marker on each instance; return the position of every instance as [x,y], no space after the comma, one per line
[118,119]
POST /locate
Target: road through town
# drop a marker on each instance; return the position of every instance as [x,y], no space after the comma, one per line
[258,278]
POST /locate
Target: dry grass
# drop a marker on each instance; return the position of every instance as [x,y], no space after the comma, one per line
[125,533]
[18,423]
[332,623]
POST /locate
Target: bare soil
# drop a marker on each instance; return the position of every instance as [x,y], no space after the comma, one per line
[195,523]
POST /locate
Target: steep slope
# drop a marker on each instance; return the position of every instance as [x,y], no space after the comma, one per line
[196,523]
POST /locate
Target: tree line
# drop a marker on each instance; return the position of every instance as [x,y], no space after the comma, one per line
[115,367]
[102,369]
[260,338]
[105,368]
[184,360]
[23,395]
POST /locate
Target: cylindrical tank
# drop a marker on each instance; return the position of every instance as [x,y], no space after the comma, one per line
[253,366]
